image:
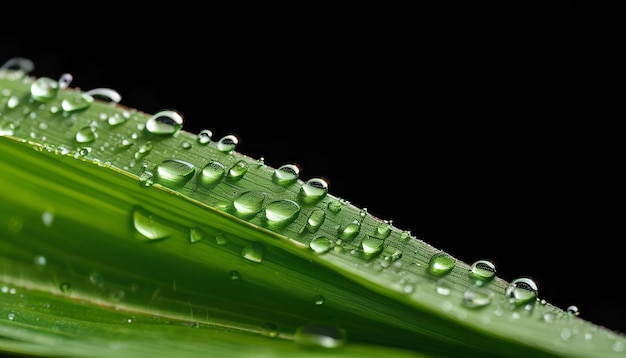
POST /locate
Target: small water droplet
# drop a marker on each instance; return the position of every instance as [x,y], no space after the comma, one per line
[65,287]
[269,330]
[13,102]
[482,271]
[47,217]
[350,231]
[65,80]
[175,172]
[40,260]
[315,220]
[476,297]
[521,291]
[147,178]
[106,94]
[116,119]
[334,206]
[97,279]
[143,149]
[186,145]
[235,275]
[253,252]
[204,137]
[165,122]
[149,225]
[372,245]
[320,244]
[196,234]
[76,102]
[86,134]
[441,264]
[383,231]
[443,287]
[227,143]
[11,316]
[286,175]
[212,173]
[249,203]
[324,335]
[319,300]
[281,212]
[44,89]
[238,170]
[7,127]
[313,191]
[573,310]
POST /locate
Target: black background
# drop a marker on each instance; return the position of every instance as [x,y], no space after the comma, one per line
[491,133]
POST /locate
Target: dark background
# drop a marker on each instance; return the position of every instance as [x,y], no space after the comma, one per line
[491,133]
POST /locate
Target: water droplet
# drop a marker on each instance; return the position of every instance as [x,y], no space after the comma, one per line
[323,335]
[21,64]
[147,178]
[212,173]
[11,316]
[281,212]
[196,234]
[235,275]
[249,203]
[44,89]
[204,137]
[350,231]
[321,244]
[47,217]
[313,191]
[227,143]
[286,175]
[186,145]
[238,170]
[143,149]
[372,245]
[253,252]
[174,172]
[40,260]
[383,231]
[573,310]
[65,287]
[221,239]
[319,300]
[315,220]
[13,102]
[65,80]
[269,330]
[76,102]
[334,206]
[482,271]
[106,94]
[443,287]
[7,127]
[86,134]
[149,225]
[97,279]
[441,264]
[521,291]
[165,122]
[476,297]
[116,119]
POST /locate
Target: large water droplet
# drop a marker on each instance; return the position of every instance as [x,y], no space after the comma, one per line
[320,244]
[212,173]
[521,291]
[238,170]
[313,191]
[476,297]
[76,102]
[286,175]
[249,203]
[324,335]
[372,245]
[482,271]
[441,264]
[149,225]
[165,122]
[253,252]
[175,172]
[350,231]
[86,134]
[204,137]
[281,212]
[315,220]
[227,143]
[44,89]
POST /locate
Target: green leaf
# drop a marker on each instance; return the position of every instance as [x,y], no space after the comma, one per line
[124,234]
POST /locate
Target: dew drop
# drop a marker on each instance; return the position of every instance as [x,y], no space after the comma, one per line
[40,260]
[149,225]
[249,203]
[573,310]
[253,252]
[65,287]
[76,102]
[47,217]
[350,231]
[143,149]
[227,143]
[313,191]
[286,175]
[315,220]
[372,245]
[44,89]
[281,212]
[107,94]
[97,279]
[482,271]
[521,291]
[86,134]
[320,244]
[319,300]
[476,297]
[235,275]
[237,171]
[212,173]
[324,335]
[175,172]
[11,316]
[334,206]
[440,264]
[269,330]
[13,102]
[186,145]
[65,80]
[383,231]
[204,137]
[443,287]
[196,234]
[7,127]
[165,122]
[116,119]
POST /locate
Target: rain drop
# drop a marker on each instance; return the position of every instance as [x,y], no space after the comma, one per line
[227,143]
[237,171]
[315,220]
[350,231]
[76,102]
[573,310]
[249,203]
[320,244]
[313,191]
[7,127]
[40,260]
[286,175]
[175,172]
[476,297]
[334,206]
[165,122]
[106,94]
[319,300]
[116,119]
[269,330]
[281,212]
[65,287]
[149,225]
[86,134]
[212,173]
[383,231]
[521,291]
[196,234]
[44,89]
[324,335]
[253,252]
[204,137]
[440,264]
[47,218]
[235,275]
[482,271]
[372,245]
